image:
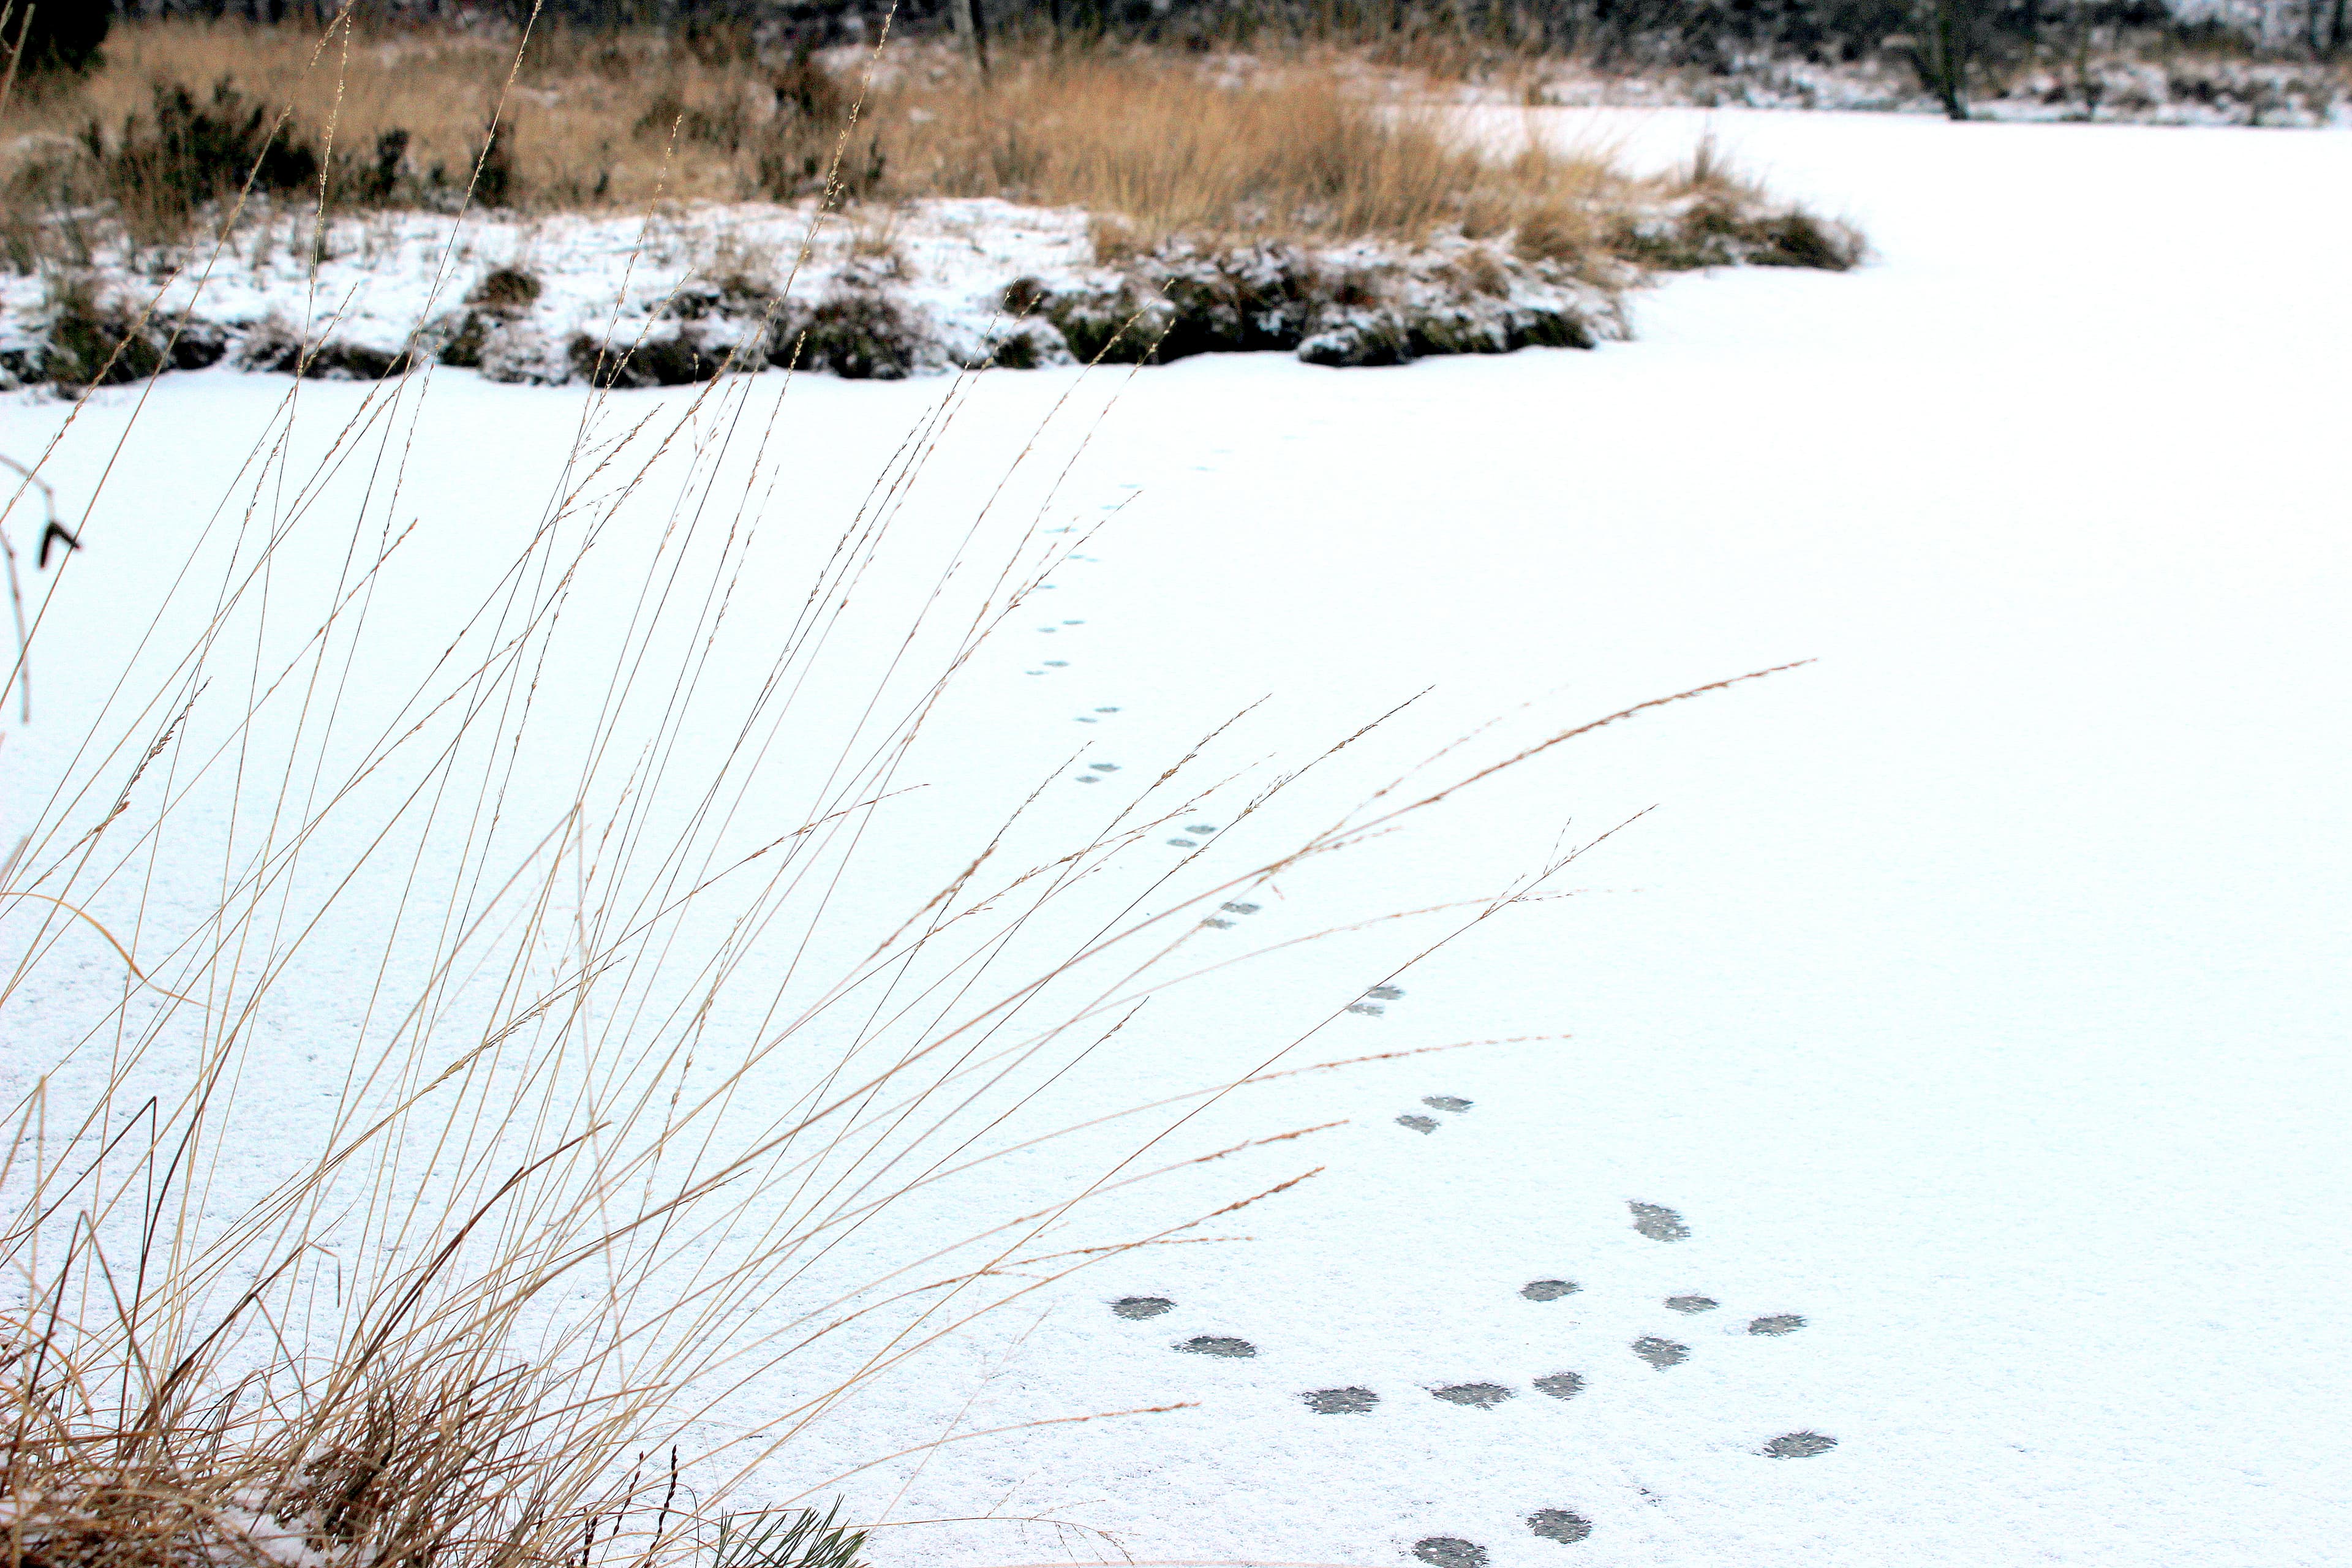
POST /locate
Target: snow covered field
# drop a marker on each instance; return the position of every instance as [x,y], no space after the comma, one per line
[1975,994]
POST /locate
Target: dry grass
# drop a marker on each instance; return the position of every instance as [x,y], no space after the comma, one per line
[1158,145]
[1289,152]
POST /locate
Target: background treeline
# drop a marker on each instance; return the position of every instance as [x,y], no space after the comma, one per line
[1615,34]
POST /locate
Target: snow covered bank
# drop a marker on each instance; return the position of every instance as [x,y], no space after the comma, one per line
[924,287]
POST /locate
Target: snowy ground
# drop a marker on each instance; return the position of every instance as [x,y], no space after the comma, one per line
[1975,994]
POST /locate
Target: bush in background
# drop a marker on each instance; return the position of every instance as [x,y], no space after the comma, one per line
[56,36]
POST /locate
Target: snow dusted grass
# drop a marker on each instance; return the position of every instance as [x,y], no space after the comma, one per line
[1221,206]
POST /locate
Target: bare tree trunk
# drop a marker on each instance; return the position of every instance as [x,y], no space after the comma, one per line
[1944,50]
[972,27]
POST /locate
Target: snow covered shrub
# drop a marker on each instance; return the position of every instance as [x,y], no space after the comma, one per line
[96,338]
[1709,214]
[705,328]
[861,333]
[1708,230]
[672,358]
[94,343]
[1120,323]
[499,299]
[273,343]
[1364,305]
[1025,345]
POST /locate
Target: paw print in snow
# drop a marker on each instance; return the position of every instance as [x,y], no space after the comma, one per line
[1477,1396]
[1452,1103]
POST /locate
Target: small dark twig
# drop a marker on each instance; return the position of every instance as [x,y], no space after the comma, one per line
[56,532]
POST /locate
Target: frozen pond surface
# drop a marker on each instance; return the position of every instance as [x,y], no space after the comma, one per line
[1948,1161]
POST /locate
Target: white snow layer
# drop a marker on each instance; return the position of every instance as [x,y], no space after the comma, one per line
[1975,994]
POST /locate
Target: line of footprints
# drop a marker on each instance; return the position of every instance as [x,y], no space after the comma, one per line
[1653,1220]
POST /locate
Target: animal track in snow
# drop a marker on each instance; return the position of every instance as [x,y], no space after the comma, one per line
[1558,1524]
[1661,1354]
[1218,1345]
[1139,1307]
[1563,1526]
[1340,1401]
[1478,1395]
[1230,907]
[1414,1120]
